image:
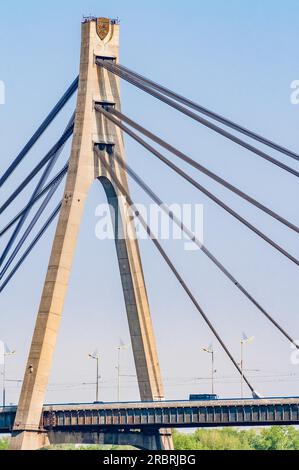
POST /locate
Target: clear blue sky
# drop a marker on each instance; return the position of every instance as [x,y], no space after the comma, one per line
[236,57]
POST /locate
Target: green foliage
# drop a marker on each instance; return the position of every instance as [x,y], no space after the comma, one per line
[214,439]
[4,442]
[274,438]
[277,438]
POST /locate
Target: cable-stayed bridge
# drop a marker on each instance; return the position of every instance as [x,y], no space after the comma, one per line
[97,128]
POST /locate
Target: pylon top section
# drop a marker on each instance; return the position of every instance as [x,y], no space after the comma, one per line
[105,27]
[87,19]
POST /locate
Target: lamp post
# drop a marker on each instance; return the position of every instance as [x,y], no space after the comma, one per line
[96,357]
[245,340]
[119,348]
[210,351]
[6,353]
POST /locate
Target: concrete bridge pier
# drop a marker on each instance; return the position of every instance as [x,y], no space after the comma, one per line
[29,440]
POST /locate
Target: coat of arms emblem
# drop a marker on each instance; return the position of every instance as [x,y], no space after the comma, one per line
[103,27]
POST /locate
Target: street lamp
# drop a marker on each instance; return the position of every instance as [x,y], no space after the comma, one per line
[96,357]
[210,350]
[245,340]
[122,346]
[6,352]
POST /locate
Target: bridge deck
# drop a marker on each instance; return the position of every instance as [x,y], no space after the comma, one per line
[268,411]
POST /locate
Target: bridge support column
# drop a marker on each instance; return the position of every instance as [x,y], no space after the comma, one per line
[99,38]
[29,440]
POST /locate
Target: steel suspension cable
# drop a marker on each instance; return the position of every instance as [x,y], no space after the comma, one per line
[37,189]
[54,181]
[173,269]
[199,186]
[31,246]
[173,104]
[199,244]
[30,227]
[209,113]
[203,169]
[38,167]
[61,103]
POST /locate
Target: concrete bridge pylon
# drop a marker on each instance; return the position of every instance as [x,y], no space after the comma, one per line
[100,38]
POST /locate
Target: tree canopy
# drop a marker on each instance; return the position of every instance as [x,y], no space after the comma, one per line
[274,438]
